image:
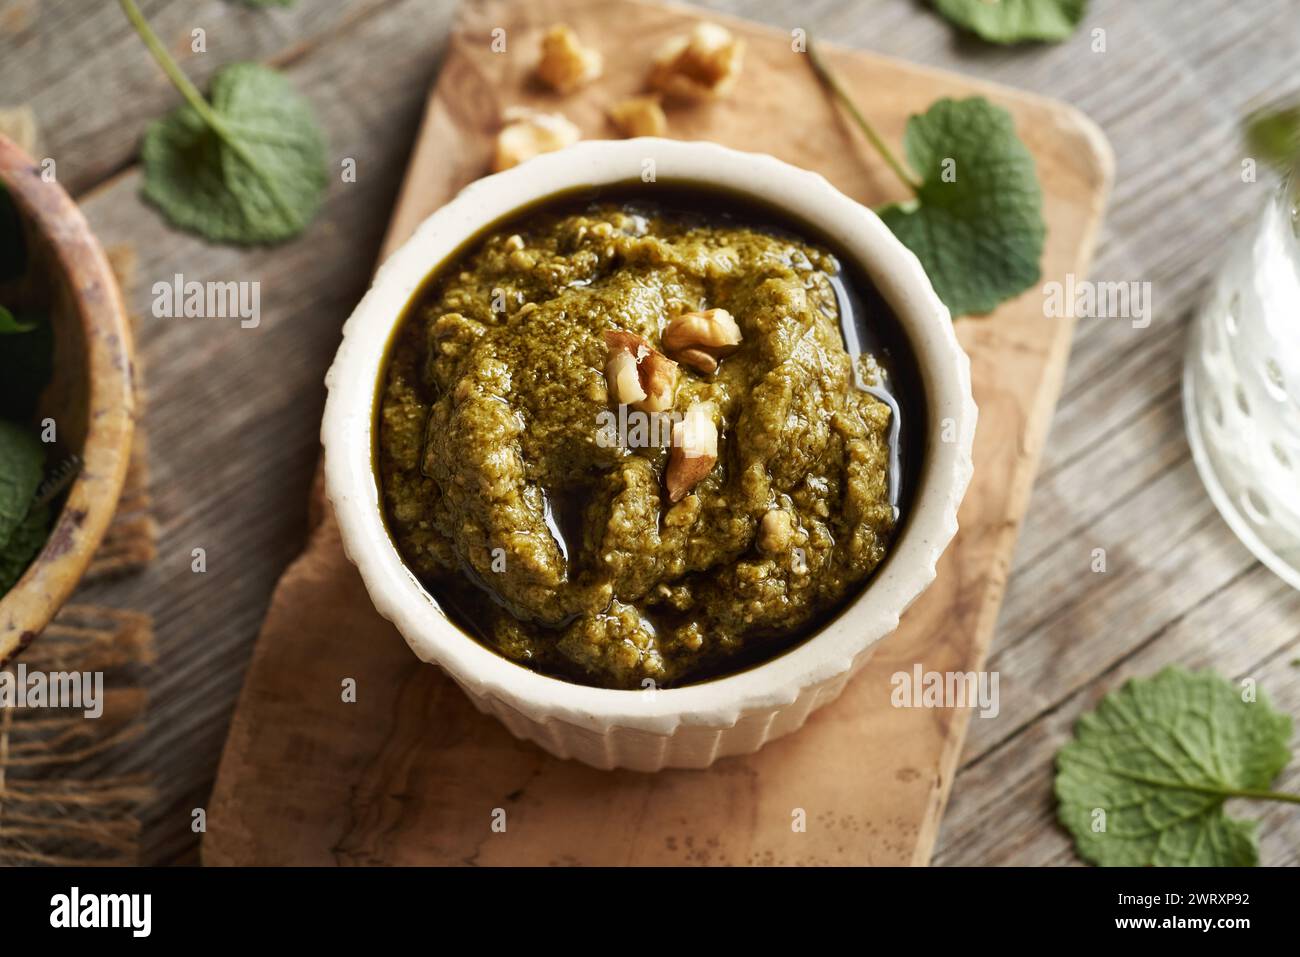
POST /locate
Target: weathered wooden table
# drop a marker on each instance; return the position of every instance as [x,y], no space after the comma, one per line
[232,413]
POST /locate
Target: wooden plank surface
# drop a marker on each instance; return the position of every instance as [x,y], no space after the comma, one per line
[1169,92]
[306,779]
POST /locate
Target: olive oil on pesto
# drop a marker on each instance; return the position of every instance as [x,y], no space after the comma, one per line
[566,556]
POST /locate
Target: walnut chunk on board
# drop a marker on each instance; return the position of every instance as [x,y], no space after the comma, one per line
[566,65]
[638,116]
[528,133]
[700,65]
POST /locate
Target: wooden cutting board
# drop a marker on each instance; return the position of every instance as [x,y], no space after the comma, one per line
[411,774]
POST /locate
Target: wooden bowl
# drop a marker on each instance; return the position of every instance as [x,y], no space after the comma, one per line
[89,397]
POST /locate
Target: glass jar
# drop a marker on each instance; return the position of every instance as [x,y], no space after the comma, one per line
[1241,387]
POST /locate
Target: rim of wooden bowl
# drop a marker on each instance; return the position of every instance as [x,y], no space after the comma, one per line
[92,498]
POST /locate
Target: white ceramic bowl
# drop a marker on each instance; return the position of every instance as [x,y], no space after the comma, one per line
[679,727]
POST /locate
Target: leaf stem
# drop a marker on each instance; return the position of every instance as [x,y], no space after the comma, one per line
[832,82]
[1264,795]
[201,106]
[1214,790]
[170,67]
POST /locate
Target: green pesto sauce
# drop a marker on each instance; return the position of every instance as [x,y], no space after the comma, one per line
[561,551]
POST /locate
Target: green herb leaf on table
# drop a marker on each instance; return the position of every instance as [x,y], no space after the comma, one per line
[1159,757]
[1015,21]
[979,231]
[22,466]
[976,217]
[1273,136]
[249,167]
[257,179]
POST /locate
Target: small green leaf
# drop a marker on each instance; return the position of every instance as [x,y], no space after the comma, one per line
[10,326]
[1014,21]
[1144,780]
[1273,136]
[257,176]
[22,466]
[977,222]
[23,545]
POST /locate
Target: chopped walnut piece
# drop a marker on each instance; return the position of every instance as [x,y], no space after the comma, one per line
[694,451]
[698,66]
[697,359]
[528,133]
[566,64]
[659,376]
[623,378]
[656,373]
[775,531]
[638,116]
[700,339]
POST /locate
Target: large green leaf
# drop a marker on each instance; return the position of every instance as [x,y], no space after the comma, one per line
[258,176]
[1144,780]
[1013,21]
[977,222]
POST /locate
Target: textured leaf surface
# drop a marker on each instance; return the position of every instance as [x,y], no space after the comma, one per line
[258,179]
[1014,21]
[22,465]
[23,545]
[977,223]
[1159,757]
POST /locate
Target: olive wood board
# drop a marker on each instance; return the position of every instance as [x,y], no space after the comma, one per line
[410,773]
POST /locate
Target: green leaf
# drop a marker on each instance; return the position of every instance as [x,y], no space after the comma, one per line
[26,364]
[22,466]
[977,222]
[1159,757]
[1014,21]
[1273,136]
[253,171]
[10,326]
[23,545]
